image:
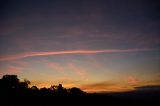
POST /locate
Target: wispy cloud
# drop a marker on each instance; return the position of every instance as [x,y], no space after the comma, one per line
[56,67]
[11,70]
[132,80]
[148,88]
[81,72]
[14,69]
[31,54]
[106,86]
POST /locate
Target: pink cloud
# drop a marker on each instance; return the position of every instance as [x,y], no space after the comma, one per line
[14,69]
[55,66]
[81,72]
[21,63]
[31,54]
[132,80]
[11,70]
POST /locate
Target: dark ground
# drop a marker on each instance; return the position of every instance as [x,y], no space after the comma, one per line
[112,99]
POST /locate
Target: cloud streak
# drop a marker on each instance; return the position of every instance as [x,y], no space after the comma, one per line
[81,72]
[148,88]
[11,70]
[106,86]
[56,67]
[32,54]
[132,80]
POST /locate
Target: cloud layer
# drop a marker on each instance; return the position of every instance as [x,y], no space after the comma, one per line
[31,54]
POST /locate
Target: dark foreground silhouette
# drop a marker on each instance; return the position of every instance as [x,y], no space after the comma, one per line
[13,93]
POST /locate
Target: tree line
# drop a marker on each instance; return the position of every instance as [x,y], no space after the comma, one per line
[10,85]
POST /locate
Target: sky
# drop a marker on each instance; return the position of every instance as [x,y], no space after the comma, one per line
[96,45]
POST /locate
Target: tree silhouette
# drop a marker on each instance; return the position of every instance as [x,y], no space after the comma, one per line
[9,81]
[24,85]
[10,85]
[34,88]
[11,88]
[76,91]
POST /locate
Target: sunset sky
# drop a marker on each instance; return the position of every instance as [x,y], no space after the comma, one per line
[97,45]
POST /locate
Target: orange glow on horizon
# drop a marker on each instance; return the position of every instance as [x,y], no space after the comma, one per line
[108,87]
